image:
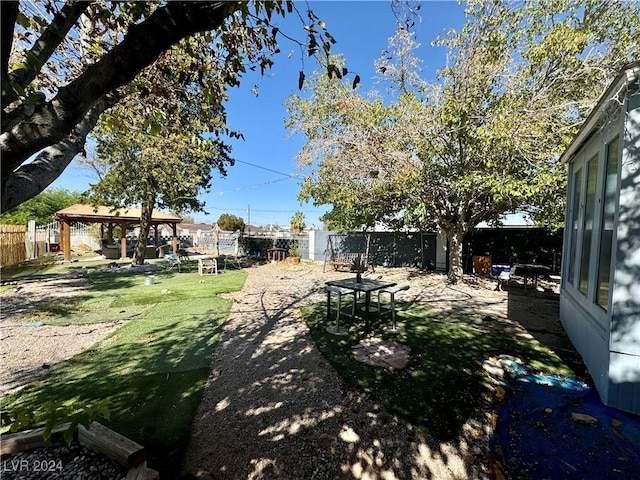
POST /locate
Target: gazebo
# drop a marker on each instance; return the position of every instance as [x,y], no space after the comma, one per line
[123,218]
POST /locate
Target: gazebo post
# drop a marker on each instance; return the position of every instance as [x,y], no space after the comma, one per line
[174,241]
[123,241]
[65,239]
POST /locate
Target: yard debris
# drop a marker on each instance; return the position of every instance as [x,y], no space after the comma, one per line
[539,431]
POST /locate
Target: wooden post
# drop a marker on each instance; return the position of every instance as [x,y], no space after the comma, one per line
[174,241]
[65,238]
[123,241]
[115,446]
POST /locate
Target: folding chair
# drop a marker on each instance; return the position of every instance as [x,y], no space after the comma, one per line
[391,291]
[337,329]
[173,259]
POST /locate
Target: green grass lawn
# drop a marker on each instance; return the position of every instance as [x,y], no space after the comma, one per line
[444,383]
[152,370]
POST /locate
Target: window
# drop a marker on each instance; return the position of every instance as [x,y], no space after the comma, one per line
[607,225]
[575,215]
[587,233]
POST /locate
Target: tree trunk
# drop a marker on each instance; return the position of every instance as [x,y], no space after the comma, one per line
[145,227]
[455,256]
[32,178]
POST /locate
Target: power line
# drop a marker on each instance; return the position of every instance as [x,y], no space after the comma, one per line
[247,187]
[289,175]
[261,211]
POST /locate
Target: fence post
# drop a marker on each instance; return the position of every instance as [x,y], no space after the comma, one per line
[31,239]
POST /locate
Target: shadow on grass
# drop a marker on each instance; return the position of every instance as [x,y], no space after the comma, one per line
[444,384]
[152,370]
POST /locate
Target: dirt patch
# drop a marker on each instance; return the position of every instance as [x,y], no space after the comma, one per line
[37,292]
[28,351]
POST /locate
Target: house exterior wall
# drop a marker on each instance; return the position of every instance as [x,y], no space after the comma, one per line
[624,370]
[600,290]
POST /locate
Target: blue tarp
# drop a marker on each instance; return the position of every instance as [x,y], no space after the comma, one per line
[538,438]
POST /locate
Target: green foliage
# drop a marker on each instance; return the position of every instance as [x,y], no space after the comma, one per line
[482,141]
[55,413]
[155,150]
[230,223]
[293,250]
[41,207]
[51,51]
[298,223]
[153,147]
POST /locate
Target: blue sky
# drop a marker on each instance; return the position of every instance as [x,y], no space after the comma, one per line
[261,187]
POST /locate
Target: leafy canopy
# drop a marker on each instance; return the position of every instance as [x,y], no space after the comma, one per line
[230,223]
[41,208]
[66,63]
[481,141]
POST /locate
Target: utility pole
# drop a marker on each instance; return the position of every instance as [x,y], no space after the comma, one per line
[248,215]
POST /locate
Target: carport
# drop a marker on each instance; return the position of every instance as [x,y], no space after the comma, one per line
[111,217]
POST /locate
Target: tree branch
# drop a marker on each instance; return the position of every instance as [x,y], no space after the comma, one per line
[42,49]
[51,122]
[32,178]
[9,12]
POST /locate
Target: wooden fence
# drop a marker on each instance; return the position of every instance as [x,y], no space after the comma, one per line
[12,245]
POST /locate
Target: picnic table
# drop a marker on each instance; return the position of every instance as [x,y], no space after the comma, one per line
[530,270]
[365,285]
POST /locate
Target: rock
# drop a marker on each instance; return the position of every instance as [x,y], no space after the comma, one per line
[493,369]
[584,418]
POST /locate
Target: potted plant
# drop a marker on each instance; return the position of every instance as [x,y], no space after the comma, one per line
[294,254]
[358,266]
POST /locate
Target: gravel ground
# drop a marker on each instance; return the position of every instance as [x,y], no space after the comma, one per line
[28,351]
[273,406]
[60,462]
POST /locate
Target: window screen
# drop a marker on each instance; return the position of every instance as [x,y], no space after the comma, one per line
[608,218]
[587,231]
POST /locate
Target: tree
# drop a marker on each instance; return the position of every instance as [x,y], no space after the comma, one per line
[297,222]
[482,141]
[64,64]
[230,223]
[41,207]
[167,166]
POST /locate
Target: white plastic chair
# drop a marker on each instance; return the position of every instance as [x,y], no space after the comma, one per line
[340,291]
[207,266]
[391,291]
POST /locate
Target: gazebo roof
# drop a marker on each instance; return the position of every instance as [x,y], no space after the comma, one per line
[102,214]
